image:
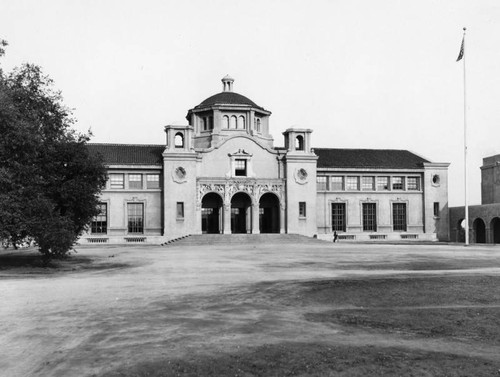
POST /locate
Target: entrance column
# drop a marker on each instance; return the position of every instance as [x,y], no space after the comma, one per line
[227,218]
[255,218]
[282,218]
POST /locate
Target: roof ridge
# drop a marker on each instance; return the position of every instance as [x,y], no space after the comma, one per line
[131,145]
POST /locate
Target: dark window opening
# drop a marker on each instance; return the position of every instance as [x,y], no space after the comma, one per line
[399,217]
[240,168]
[338,217]
[369,217]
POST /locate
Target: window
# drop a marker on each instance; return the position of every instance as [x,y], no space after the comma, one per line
[232,122]
[399,217]
[338,217]
[368,183]
[225,121]
[135,181]
[382,183]
[299,143]
[398,183]
[337,183]
[211,122]
[302,209]
[369,217]
[116,181]
[99,224]
[321,182]
[241,122]
[135,214]
[179,139]
[352,183]
[436,209]
[413,183]
[240,168]
[180,210]
[153,181]
[258,125]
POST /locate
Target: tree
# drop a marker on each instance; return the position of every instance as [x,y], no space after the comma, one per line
[49,183]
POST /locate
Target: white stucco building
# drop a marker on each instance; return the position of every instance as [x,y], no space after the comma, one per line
[221,173]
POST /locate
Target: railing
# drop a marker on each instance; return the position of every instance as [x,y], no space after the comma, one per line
[378,236]
[409,236]
[349,237]
[135,239]
[97,240]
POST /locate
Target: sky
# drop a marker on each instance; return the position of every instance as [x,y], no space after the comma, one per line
[360,73]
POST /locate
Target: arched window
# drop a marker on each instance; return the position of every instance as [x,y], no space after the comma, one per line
[225,121]
[241,122]
[232,123]
[205,125]
[299,143]
[179,140]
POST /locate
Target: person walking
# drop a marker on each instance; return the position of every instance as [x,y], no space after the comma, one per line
[335,236]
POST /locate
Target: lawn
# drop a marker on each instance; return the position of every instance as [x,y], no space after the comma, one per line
[276,309]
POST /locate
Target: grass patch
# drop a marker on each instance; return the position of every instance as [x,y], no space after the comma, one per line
[313,359]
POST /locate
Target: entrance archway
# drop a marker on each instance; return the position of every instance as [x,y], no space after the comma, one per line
[479,231]
[211,213]
[241,213]
[461,230]
[495,230]
[269,215]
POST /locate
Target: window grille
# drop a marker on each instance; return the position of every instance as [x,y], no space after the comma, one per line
[135,212]
[338,217]
[369,217]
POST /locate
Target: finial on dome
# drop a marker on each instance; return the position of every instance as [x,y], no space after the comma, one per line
[227,83]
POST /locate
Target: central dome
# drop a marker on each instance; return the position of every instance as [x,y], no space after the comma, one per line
[227,98]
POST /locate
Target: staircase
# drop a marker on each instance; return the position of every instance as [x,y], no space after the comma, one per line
[243,239]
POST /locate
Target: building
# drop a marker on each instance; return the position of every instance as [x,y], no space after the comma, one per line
[484,219]
[221,173]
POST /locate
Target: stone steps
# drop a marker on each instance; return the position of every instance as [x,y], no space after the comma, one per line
[243,239]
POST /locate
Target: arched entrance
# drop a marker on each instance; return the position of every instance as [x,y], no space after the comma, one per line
[495,230]
[479,231]
[461,230]
[269,215]
[211,213]
[241,213]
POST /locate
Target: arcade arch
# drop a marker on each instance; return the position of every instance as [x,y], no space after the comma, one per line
[211,213]
[479,231]
[269,213]
[241,213]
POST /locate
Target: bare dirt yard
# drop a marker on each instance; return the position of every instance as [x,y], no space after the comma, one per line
[288,306]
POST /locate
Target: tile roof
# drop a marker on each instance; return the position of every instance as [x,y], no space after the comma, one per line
[228,98]
[368,158]
[128,154]
[141,154]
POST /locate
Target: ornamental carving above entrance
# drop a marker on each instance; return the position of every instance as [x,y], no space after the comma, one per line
[254,188]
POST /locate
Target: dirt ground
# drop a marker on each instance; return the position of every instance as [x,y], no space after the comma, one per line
[280,308]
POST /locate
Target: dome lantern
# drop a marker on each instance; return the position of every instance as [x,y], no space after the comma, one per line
[227,83]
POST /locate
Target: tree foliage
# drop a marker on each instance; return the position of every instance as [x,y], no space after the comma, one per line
[49,183]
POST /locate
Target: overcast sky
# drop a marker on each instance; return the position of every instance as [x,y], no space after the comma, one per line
[361,74]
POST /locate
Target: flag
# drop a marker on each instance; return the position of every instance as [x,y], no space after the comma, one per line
[461,53]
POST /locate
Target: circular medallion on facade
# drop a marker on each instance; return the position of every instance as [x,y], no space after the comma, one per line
[301,176]
[436,180]
[179,174]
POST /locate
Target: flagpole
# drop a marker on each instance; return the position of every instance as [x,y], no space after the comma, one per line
[465,149]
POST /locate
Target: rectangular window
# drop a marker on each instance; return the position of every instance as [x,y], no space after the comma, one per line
[321,182]
[116,181]
[398,183]
[352,183]
[436,209]
[368,183]
[135,181]
[240,168]
[399,217]
[413,183]
[382,183]
[302,209]
[180,210]
[369,217]
[338,217]
[135,214]
[337,183]
[153,181]
[99,224]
